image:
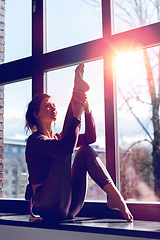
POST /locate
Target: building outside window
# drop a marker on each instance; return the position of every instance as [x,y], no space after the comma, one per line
[15,176]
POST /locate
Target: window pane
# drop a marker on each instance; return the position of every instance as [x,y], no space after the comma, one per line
[17,29]
[137,76]
[132,14]
[60,85]
[15,177]
[71,22]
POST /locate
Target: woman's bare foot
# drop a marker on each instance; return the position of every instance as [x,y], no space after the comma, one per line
[116,201]
[79,83]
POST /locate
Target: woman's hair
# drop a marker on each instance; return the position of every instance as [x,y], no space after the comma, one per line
[33,110]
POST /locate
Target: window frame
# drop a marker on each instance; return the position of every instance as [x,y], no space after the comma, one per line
[106,48]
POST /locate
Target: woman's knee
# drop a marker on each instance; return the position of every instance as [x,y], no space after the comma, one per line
[87,150]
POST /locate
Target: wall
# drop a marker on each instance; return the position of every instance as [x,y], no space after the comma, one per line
[25,233]
[2,50]
[1,137]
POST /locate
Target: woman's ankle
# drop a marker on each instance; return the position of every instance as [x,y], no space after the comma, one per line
[116,201]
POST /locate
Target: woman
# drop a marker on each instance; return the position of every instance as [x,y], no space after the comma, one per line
[59,189]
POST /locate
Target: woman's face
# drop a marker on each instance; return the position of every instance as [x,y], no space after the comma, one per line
[47,112]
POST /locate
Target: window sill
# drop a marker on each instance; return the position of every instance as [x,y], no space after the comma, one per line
[104,226]
[91,219]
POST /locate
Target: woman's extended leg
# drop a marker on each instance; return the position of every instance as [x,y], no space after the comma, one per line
[82,87]
[67,120]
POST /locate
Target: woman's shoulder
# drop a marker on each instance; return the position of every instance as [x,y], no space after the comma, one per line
[35,135]
[34,140]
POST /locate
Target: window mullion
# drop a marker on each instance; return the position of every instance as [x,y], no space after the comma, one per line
[108,90]
[106,18]
[37,46]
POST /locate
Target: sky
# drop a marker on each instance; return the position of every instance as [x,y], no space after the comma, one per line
[67,23]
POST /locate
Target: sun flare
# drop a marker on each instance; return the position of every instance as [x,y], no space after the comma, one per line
[127,63]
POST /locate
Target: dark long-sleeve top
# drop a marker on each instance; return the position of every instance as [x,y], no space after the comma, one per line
[40,150]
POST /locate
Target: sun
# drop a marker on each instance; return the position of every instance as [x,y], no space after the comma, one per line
[127,64]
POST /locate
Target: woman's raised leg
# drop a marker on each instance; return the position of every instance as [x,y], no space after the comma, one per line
[54,198]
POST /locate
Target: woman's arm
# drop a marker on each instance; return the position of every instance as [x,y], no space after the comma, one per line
[75,109]
[39,143]
[43,145]
[89,136]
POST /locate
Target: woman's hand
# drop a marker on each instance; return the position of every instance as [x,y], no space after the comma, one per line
[78,103]
[77,109]
[87,107]
[80,97]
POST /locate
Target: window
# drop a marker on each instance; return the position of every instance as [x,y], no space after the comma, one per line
[134,14]
[67,26]
[51,57]
[17,29]
[22,150]
[137,93]
[14,194]
[16,97]
[13,183]
[14,149]
[14,172]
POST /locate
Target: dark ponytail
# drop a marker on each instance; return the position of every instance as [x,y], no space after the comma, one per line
[33,108]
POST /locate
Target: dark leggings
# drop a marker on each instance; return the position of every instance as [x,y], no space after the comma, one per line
[64,189]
